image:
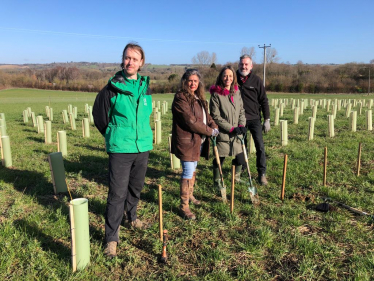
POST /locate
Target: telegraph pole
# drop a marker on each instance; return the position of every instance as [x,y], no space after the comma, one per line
[264,47]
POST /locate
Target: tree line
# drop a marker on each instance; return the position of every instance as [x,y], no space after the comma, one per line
[280,77]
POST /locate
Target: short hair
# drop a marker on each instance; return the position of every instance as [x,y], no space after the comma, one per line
[245,56]
[135,46]
[219,81]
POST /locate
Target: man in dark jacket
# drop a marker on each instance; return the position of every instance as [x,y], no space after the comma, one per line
[255,101]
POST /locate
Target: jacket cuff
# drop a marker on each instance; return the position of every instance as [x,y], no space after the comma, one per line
[232,129]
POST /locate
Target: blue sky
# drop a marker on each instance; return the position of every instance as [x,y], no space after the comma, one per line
[313,31]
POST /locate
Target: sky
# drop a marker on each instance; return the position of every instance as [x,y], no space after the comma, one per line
[172,32]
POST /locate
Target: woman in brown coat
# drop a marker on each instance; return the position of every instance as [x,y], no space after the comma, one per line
[226,109]
[192,127]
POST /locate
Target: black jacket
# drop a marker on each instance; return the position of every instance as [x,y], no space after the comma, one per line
[254,97]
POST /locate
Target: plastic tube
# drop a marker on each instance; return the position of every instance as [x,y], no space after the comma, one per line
[85,128]
[56,165]
[369,120]
[61,143]
[48,132]
[81,237]
[40,124]
[6,154]
[72,121]
[311,128]
[331,129]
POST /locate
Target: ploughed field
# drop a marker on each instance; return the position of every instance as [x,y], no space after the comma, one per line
[278,240]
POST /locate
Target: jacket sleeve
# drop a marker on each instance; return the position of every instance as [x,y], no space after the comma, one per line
[242,119]
[263,101]
[183,112]
[215,112]
[101,109]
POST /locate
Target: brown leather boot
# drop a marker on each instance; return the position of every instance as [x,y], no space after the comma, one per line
[193,200]
[184,208]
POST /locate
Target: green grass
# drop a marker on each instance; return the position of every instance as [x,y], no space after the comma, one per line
[277,241]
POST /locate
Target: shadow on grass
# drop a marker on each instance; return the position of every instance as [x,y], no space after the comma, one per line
[39,140]
[47,242]
[90,147]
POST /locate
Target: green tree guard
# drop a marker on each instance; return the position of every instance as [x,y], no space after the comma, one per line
[276,117]
[158,132]
[167,107]
[338,105]
[353,121]
[314,111]
[62,143]
[348,110]
[48,132]
[90,116]
[282,109]
[284,132]
[86,108]
[50,114]
[301,108]
[311,128]
[86,128]
[158,105]
[2,128]
[33,119]
[334,110]
[72,121]
[70,109]
[175,163]
[65,116]
[360,108]
[252,147]
[159,116]
[75,112]
[25,117]
[47,110]
[296,115]
[79,218]
[370,105]
[56,165]
[40,122]
[331,129]
[328,105]
[369,120]
[6,154]
[2,116]
[29,111]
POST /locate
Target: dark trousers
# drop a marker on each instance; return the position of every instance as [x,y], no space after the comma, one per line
[255,127]
[126,181]
[237,161]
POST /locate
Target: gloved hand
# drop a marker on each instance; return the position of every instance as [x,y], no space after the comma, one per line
[215,132]
[237,131]
[266,126]
[244,130]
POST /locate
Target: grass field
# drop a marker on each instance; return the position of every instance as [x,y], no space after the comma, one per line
[278,240]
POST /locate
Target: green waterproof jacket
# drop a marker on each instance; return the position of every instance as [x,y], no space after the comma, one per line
[121,113]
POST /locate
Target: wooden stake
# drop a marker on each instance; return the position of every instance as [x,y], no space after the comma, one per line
[160,210]
[325,167]
[359,159]
[232,189]
[284,176]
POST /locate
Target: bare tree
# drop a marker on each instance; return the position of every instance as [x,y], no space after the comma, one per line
[271,55]
[203,58]
[251,51]
[213,58]
[372,61]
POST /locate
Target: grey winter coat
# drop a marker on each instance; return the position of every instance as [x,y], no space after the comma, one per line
[227,112]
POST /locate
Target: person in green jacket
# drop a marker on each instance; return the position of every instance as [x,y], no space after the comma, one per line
[226,109]
[121,113]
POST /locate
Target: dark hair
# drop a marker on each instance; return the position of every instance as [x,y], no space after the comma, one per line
[219,81]
[135,46]
[183,86]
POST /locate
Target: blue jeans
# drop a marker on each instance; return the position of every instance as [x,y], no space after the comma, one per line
[188,168]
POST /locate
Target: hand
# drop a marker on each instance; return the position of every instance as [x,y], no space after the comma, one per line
[215,132]
[266,126]
[237,131]
[244,130]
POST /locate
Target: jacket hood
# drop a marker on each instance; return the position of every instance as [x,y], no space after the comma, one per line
[221,91]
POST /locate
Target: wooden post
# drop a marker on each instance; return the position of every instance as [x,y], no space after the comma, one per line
[359,159]
[284,177]
[160,210]
[72,231]
[232,189]
[325,167]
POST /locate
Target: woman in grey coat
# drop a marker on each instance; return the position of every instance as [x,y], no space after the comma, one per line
[226,109]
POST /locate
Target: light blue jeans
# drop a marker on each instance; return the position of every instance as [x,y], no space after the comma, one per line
[188,168]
